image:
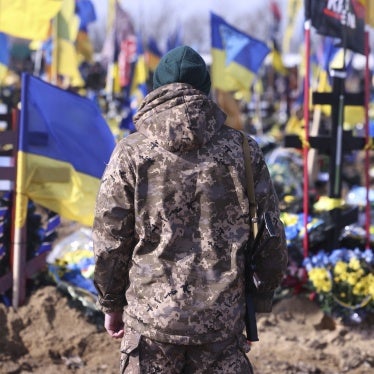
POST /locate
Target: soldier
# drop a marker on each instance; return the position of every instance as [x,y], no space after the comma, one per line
[171,222]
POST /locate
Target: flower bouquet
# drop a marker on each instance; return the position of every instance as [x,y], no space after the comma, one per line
[342,282]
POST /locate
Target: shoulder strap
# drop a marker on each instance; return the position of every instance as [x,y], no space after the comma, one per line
[250,185]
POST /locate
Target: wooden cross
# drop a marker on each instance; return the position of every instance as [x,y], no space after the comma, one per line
[338,142]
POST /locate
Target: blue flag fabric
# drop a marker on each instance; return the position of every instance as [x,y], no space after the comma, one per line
[64,146]
[4,49]
[4,56]
[86,12]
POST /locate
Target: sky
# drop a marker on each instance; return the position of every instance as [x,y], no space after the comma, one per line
[146,9]
[161,17]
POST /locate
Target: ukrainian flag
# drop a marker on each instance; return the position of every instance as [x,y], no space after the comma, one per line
[236,56]
[4,56]
[64,146]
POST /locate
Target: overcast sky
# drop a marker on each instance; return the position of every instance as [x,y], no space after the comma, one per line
[145,9]
[174,13]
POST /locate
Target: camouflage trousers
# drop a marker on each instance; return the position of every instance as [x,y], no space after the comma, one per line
[142,355]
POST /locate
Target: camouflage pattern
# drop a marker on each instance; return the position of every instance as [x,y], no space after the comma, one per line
[142,355]
[172,220]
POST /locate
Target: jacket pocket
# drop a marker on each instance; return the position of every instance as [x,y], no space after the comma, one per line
[129,361]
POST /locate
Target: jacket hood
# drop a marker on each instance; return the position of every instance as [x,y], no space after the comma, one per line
[179,117]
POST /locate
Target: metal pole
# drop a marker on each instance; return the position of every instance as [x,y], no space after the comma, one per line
[367,137]
[306,127]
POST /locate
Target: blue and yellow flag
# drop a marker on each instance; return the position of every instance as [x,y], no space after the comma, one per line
[236,56]
[140,72]
[65,57]
[28,19]
[152,54]
[87,14]
[64,146]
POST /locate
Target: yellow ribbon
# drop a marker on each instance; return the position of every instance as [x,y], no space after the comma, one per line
[363,303]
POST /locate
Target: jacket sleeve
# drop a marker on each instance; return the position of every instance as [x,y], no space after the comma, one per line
[113,231]
[270,263]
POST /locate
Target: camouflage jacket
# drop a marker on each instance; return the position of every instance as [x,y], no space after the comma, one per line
[172,219]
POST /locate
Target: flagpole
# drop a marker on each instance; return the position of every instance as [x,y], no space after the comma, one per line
[20,214]
[339,126]
[54,65]
[367,137]
[307,24]
[38,61]
[109,85]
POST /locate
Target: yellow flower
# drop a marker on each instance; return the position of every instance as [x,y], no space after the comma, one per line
[354,263]
[320,279]
[340,268]
[352,278]
[360,288]
[370,280]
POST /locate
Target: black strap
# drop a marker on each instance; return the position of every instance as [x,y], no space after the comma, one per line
[250,186]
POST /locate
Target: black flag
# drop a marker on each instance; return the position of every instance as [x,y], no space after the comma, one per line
[339,19]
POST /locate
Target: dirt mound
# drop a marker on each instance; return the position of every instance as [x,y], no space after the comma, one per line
[52,333]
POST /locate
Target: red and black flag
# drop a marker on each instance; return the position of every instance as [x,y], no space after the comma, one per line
[343,19]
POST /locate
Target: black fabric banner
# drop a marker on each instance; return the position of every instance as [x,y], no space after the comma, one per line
[343,19]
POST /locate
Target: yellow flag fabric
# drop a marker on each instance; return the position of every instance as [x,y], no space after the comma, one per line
[57,186]
[293,10]
[28,19]
[369,11]
[140,74]
[85,49]
[229,78]
[3,72]
[277,62]
[67,21]
[113,85]
[67,64]
[67,25]
[352,114]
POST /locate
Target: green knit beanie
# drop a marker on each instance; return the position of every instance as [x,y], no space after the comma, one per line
[184,65]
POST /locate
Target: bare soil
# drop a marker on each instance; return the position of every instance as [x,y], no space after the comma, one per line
[53,333]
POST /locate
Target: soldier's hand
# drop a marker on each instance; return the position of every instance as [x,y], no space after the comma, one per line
[113,324]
